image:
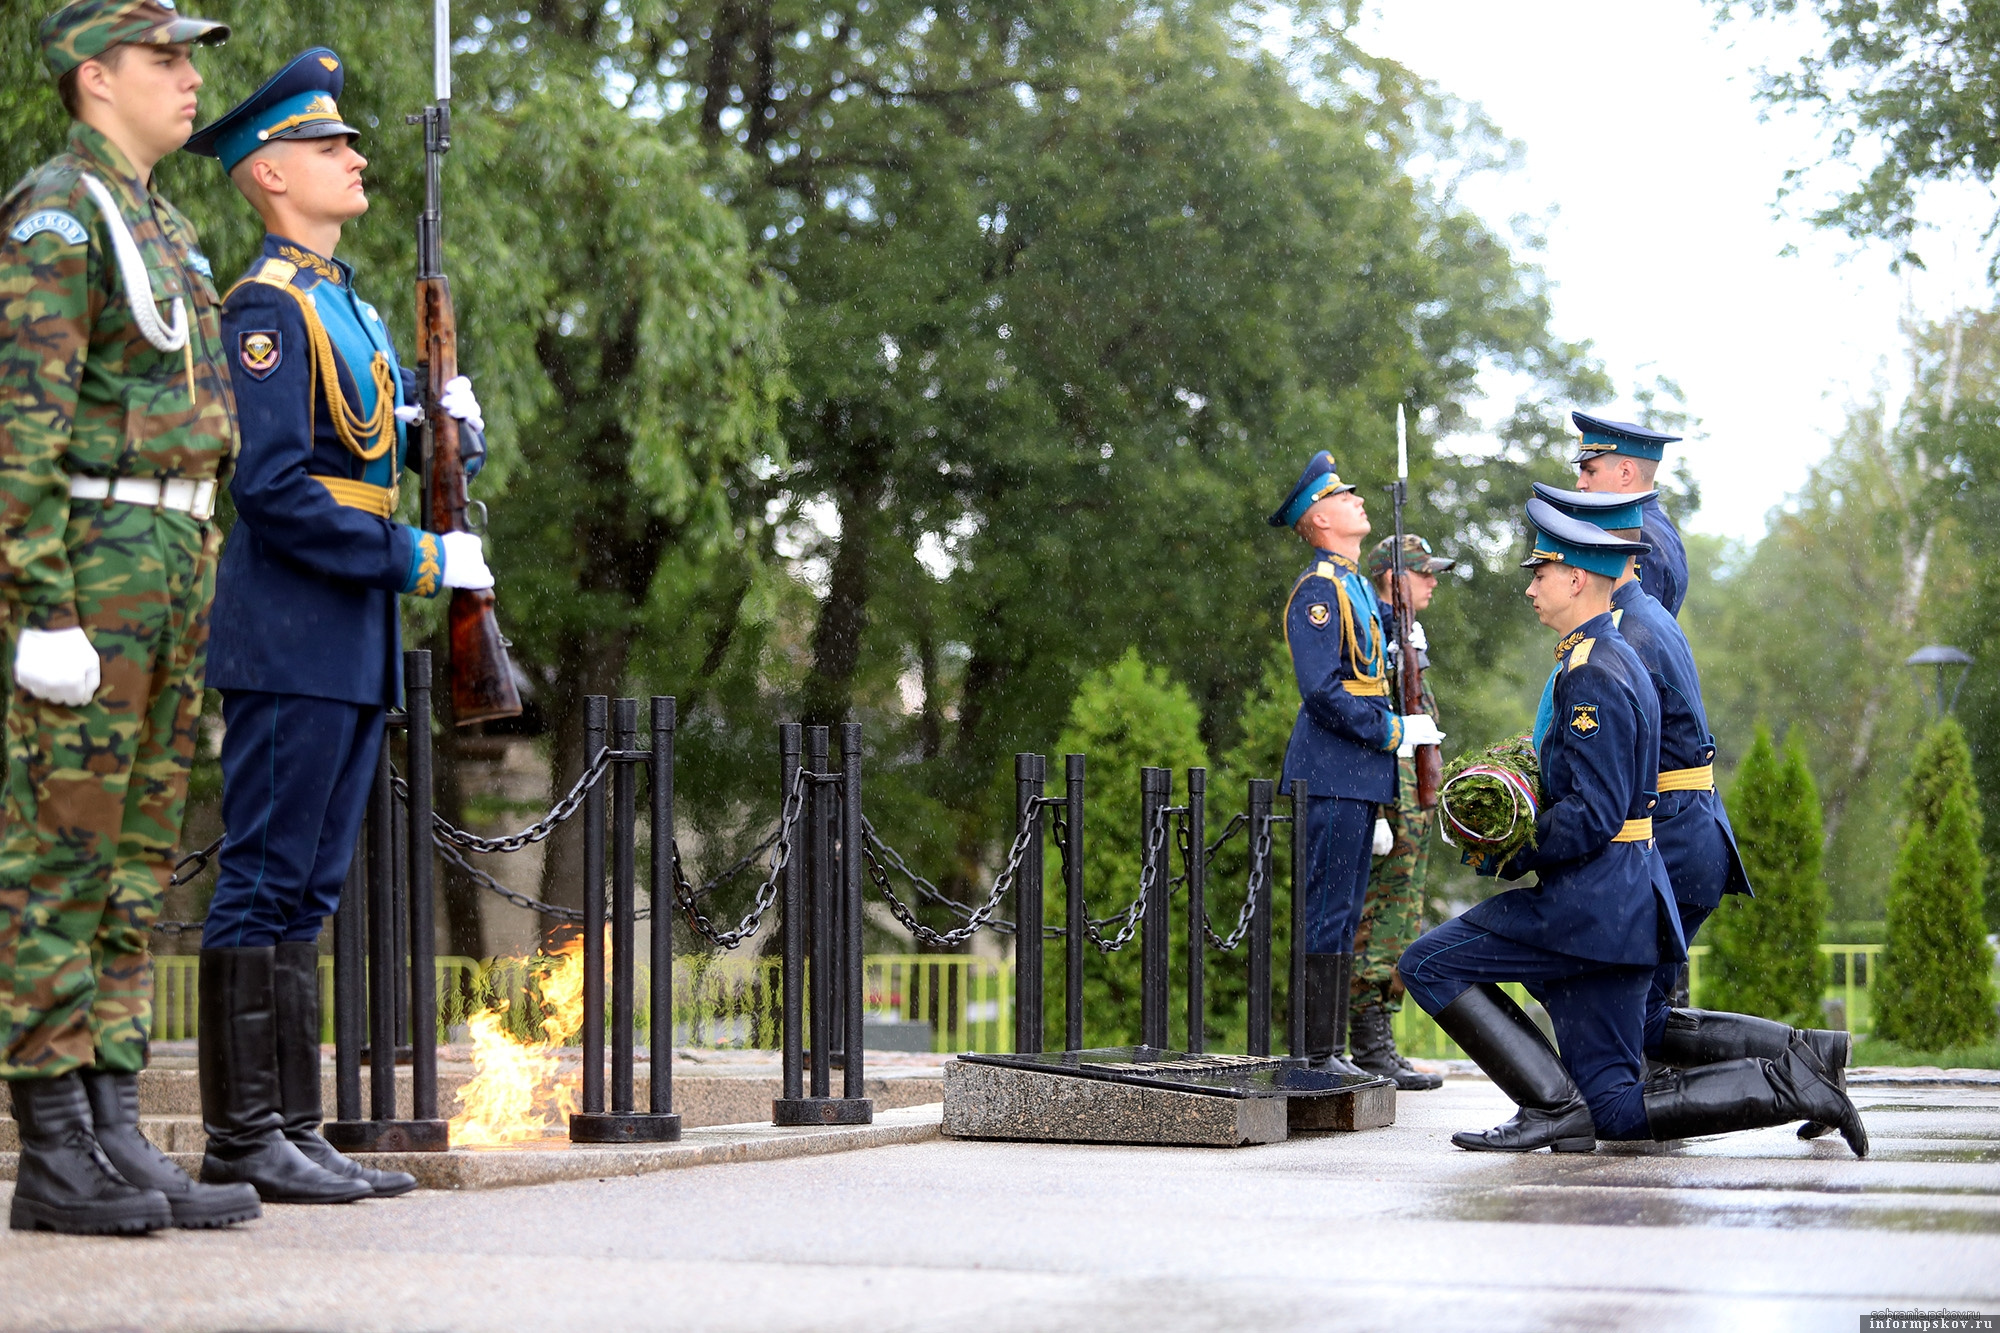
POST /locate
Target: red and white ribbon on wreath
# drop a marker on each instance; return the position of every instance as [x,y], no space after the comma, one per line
[1515,782]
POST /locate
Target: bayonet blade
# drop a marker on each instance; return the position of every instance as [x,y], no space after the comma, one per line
[441,49]
[1402,436]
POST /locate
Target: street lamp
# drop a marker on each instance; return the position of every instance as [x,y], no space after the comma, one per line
[1941,656]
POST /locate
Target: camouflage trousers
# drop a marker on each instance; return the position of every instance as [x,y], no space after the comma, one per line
[94,796]
[1392,914]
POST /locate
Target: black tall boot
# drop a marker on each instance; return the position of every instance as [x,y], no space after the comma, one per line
[1374,1050]
[239,1087]
[1511,1050]
[1752,1093]
[1696,1037]
[64,1182]
[1323,1014]
[114,1113]
[297,988]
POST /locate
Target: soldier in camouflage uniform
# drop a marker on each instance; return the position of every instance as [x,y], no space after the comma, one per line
[1392,914]
[116,426]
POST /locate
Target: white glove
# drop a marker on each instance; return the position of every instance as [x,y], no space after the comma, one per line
[1418,729]
[58,665]
[465,561]
[1385,841]
[409,414]
[457,399]
[1417,640]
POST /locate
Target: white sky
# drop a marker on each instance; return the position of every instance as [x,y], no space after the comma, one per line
[1647,161]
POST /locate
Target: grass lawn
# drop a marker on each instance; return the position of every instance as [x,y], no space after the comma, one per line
[1874,1051]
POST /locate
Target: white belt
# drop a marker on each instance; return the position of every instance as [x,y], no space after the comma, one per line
[195,498]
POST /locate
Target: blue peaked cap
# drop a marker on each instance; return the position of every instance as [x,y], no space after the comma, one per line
[300,101]
[1560,539]
[1605,509]
[1318,481]
[1602,436]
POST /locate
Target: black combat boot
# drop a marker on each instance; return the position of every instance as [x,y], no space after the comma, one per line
[297,989]
[1323,1014]
[239,1088]
[1374,1051]
[1752,1093]
[1511,1050]
[1696,1037]
[64,1182]
[114,1113]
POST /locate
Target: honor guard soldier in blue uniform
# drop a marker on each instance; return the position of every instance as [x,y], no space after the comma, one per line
[1344,743]
[1587,937]
[305,642]
[1690,824]
[1617,457]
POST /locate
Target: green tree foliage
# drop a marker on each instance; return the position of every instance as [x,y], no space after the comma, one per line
[1935,989]
[1125,717]
[1765,956]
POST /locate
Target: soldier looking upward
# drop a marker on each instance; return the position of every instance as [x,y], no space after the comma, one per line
[116,425]
[1344,743]
[1617,457]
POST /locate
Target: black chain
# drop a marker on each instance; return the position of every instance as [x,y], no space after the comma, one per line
[767,892]
[1260,856]
[558,814]
[1134,914]
[182,874]
[981,916]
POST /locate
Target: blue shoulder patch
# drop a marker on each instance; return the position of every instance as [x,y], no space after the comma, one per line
[50,219]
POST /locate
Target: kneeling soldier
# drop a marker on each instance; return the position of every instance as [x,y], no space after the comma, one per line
[1587,938]
[305,628]
[115,424]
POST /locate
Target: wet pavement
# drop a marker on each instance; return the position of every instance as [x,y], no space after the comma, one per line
[1388,1229]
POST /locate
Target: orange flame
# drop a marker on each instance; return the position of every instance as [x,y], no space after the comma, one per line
[518,1092]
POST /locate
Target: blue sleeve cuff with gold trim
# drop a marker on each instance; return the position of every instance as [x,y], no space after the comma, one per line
[426,564]
[1395,741]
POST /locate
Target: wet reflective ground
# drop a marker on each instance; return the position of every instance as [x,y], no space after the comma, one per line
[1388,1230]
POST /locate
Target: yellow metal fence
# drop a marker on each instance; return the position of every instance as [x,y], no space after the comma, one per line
[968,1002]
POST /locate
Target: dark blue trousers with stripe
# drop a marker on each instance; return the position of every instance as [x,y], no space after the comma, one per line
[1340,832]
[1599,1010]
[295,778]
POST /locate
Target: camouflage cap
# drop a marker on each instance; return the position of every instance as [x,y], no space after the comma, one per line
[1417,557]
[87,28]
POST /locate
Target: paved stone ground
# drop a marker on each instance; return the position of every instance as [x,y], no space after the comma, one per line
[1389,1229]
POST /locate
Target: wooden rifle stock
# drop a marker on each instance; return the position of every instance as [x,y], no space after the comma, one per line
[1410,698]
[481,677]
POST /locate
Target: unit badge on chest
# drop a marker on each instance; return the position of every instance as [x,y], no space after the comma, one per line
[1317,613]
[259,352]
[1583,720]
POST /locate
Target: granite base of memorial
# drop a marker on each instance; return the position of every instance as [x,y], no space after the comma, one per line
[1145,1095]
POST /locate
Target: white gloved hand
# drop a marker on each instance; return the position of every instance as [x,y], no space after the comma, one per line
[409,414]
[1385,840]
[1417,640]
[1418,729]
[465,561]
[458,400]
[58,665]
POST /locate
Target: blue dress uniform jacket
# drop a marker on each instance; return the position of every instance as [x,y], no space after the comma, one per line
[1663,571]
[1600,897]
[1344,741]
[305,598]
[1695,840]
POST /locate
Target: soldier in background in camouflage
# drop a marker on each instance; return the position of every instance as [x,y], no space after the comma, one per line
[116,425]
[1392,914]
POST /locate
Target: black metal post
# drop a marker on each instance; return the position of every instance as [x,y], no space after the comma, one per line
[1156,787]
[1197,883]
[660,1027]
[853,1075]
[392,988]
[1258,1039]
[622,1123]
[819,969]
[596,710]
[1030,772]
[1296,998]
[350,985]
[1073,906]
[792,927]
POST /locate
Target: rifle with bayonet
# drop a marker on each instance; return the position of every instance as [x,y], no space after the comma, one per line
[1409,665]
[481,677]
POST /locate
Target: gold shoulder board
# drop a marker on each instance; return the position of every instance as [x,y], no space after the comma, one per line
[1580,654]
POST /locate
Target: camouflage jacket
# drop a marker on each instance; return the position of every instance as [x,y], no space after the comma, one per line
[81,389]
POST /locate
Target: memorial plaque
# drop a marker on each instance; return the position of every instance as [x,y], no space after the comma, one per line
[1143,1094]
